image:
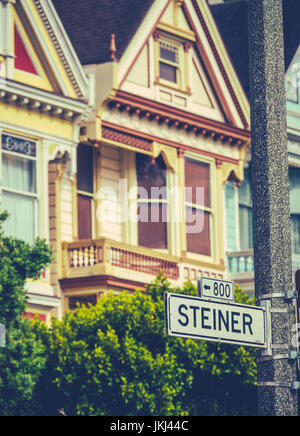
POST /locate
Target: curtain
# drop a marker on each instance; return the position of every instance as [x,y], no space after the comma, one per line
[21,221]
[18,174]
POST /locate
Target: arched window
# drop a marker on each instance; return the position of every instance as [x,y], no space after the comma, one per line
[246,213]
[152,202]
[85,191]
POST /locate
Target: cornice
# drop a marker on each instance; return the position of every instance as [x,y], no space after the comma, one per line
[172,116]
[31,98]
[145,142]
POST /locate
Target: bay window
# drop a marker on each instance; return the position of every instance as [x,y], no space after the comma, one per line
[152,202]
[85,191]
[198,206]
[19,187]
[169,62]
[246,213]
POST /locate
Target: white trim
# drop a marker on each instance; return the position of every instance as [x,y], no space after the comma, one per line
[213,210]
[140,37]
[36,196]
[41,300]
[44,47]
[32,133]
[44,97]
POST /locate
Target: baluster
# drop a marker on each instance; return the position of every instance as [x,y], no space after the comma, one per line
[75,258]
[80,257]
[230,264]
[92,255]
[71,258]
[85,253]
[238,264]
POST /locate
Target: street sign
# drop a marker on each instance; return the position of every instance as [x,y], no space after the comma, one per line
[217,321]
[216,289]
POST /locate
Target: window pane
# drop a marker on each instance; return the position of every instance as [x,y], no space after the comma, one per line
[296,233]
[168,72]
[153,231]
[245,194]
[295,190]
[151,174]
[84,217]
[168,53]
[19,145]
[82,301]
[198,241]
[197,175]
[85,170]
[18,173]
[246,228]
[21,222]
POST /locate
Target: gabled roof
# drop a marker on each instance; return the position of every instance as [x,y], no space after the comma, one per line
[232,21]
[137,23]
[91,23]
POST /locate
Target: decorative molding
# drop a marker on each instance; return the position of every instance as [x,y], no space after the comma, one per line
[12,92]
[63,59]
[213,152]
[220,64]
[135,105]
[126,138]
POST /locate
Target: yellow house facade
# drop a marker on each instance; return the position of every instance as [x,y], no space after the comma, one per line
[44,96]
[168,113]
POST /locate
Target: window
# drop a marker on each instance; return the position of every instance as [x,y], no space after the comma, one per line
[85,191]
[152,202]
[294,174]
[168,62]
[86,300]
[296,233]
[198,207]
[246,213]
[19,187]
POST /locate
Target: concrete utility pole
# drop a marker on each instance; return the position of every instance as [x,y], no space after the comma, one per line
[277,369]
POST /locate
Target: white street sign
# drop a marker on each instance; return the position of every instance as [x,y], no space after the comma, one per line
[217,321]
[216,289]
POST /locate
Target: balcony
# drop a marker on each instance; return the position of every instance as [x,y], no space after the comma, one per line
[241,268]
[241,262]
[87,262]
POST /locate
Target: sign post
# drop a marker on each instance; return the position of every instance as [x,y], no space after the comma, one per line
[277,369]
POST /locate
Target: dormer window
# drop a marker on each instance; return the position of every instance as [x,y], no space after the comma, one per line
[169,62]
[172,67]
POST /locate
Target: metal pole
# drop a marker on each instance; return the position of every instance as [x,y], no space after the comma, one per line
[277,374]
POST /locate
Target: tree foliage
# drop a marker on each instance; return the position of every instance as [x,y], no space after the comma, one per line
[114,359]
[23,358]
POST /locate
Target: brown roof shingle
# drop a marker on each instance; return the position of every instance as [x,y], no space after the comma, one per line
[89,25]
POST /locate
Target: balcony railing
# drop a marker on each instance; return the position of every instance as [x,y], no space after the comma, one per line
[88,255]
[241,262]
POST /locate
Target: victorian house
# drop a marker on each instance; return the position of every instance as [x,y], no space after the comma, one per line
[43,99]
[169,113]
[232,22]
